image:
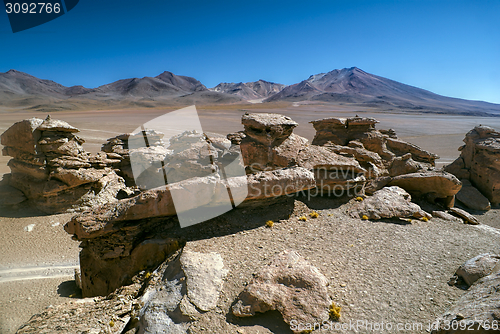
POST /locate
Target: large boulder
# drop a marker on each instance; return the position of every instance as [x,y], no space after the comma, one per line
[290,285]
[479,161]
[389,202]
[434,185]
[188,282]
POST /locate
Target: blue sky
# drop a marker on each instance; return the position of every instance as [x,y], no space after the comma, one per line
[448,47]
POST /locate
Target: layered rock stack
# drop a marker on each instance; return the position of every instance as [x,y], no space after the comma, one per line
[479,163]
[121,147]
[52,169]
[388,160]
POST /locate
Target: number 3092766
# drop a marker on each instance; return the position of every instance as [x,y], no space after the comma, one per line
[33,8]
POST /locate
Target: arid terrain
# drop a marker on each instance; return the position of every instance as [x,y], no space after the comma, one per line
[378,271]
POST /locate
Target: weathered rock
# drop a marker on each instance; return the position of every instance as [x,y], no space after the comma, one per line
[389,202]
[477,309]
[109,314]
[446,216]
[434,185]
[268,129]
[477,267]
[400,147]
[52,169]
[472,198]
[23,135]
[179,288]
[470,219]
[479,161]
[404,165]
[56,125]
[10,195]
[290,285]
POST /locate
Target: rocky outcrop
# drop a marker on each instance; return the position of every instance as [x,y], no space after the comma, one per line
[290,285]
[52,169]
[180,291]
[389,202]
[360,132]
[121,147]
[435,186]
[479,161]
[477,310]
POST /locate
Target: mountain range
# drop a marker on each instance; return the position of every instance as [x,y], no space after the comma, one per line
[348,86]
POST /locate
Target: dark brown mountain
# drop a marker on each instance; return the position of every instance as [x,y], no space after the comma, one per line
[260,89]
[354,86]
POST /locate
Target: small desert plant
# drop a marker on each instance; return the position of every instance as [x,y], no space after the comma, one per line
[364,217]
[314,214]
[269,223]
[425,219]
[359,198]
[111,323]
[303,218]
[148,275]
[334,312]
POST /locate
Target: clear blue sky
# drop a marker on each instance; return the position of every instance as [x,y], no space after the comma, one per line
[448,47]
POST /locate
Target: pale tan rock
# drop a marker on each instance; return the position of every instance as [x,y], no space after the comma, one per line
[470,219]
[23,135]
[56,125]
[479,161]
[290,285]
[400,147]
[477,267]
[268,129]
[389,202]
[432,184]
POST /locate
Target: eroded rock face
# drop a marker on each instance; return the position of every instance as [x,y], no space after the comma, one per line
[472,198]
[479,161]
[268,129]
[53,170]
[477,267]
[290,285]
[433,185]
[478,308]
[180,290]
[389,202]
[360,135]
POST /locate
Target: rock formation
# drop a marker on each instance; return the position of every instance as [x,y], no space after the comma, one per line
[52,169]
[478,162]
[290,285]
[477,310]
[389,202]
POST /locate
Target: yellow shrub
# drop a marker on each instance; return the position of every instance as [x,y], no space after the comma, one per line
[364,217]
[334,312]
[425,219]
[111,323]
[269,223]
[359,198]
[303,218]
[314,214]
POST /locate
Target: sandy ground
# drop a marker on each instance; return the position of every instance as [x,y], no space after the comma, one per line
[47,251]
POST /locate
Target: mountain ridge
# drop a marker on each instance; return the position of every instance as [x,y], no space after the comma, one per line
[347,86]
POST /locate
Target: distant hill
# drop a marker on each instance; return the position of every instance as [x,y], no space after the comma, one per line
[349,86]
[260,89]
[354,86]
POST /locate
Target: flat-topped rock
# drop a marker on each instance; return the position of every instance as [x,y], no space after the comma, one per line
[56,125]
[268,129]
[23,135]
